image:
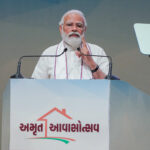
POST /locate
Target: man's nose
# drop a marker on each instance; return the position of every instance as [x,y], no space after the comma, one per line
[74,28]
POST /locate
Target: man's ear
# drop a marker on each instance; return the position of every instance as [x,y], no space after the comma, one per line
[60,28]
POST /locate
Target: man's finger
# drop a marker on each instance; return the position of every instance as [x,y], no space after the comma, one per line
[78,53]
[83,42]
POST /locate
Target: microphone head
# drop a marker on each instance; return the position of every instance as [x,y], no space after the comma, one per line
[78,49]
[65,50]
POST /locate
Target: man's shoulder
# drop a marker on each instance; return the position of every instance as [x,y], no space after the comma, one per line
[51,50]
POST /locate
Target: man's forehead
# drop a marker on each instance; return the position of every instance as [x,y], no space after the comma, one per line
[73,17]
[70,22]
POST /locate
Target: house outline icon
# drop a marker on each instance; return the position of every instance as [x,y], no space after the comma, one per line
[55,109]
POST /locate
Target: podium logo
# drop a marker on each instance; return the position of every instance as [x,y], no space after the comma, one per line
[49,128]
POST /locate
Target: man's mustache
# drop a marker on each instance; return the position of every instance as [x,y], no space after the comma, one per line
[74,33]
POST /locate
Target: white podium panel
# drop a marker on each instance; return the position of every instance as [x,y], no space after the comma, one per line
[57,115]
[74,114]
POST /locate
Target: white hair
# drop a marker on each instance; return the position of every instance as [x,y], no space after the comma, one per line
[76,12]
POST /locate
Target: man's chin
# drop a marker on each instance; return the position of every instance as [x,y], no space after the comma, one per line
[74,42]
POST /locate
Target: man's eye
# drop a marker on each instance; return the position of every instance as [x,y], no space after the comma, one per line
[69,25]
[79,25]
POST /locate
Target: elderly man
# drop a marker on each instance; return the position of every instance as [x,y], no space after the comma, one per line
[72,64]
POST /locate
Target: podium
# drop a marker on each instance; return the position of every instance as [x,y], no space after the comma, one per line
[74,114]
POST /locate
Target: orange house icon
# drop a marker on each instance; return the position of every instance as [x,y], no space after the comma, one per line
[55,109]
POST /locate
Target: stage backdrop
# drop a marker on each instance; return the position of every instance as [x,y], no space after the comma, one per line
[28,27]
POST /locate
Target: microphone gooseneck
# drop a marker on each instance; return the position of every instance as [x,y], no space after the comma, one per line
[109,76]
[18,73]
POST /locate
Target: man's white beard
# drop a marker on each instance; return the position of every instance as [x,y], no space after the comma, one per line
[74,42]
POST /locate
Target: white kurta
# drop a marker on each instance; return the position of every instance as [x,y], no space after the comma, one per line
[68,66]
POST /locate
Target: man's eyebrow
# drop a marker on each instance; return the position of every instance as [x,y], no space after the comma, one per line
[79,22]
[68,22]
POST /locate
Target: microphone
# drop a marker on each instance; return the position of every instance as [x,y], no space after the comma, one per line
[18,74]
[109,76]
